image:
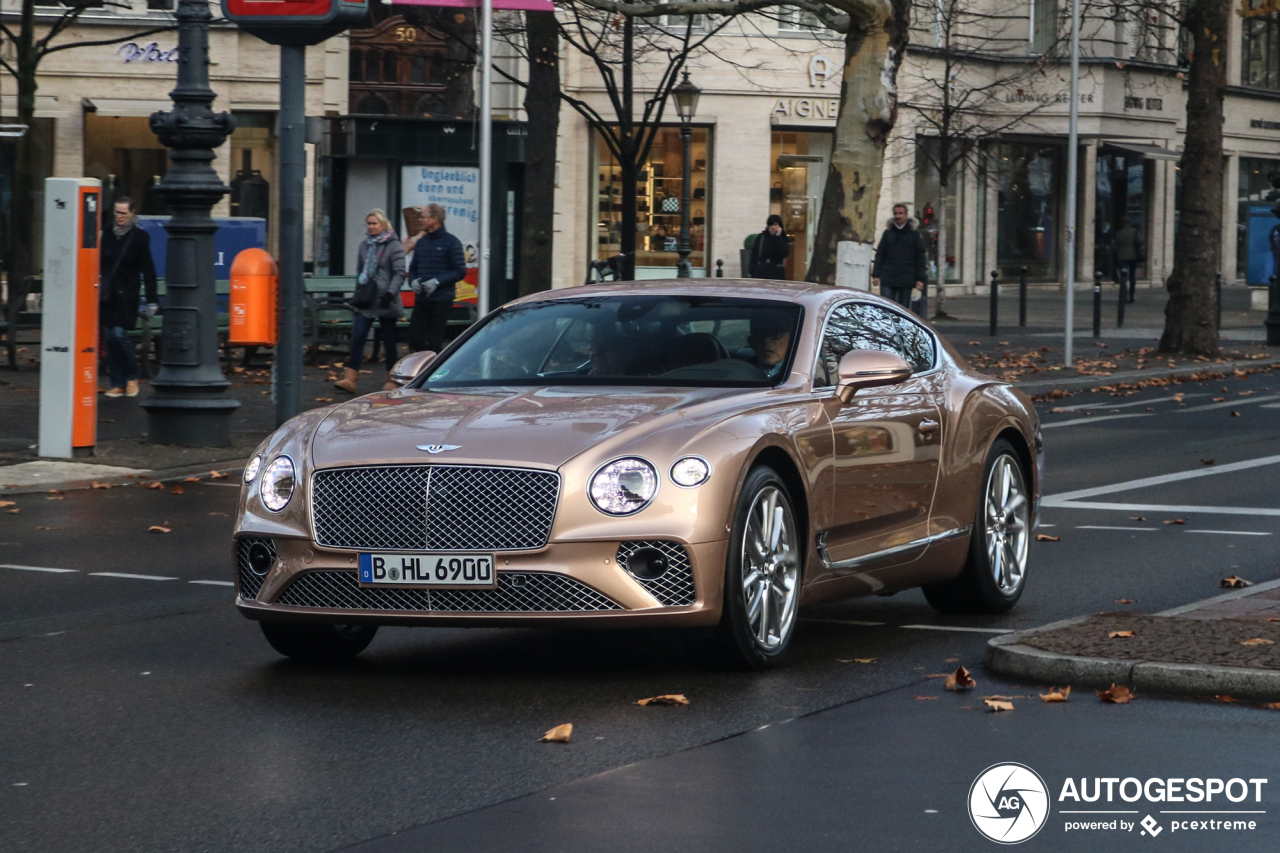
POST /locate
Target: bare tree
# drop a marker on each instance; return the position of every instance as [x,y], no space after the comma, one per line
[967,63]
[30,49]
[542,107]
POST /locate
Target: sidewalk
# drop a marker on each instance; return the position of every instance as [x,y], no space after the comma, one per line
[1228,645]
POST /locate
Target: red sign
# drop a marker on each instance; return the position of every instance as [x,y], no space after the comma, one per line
[295,21]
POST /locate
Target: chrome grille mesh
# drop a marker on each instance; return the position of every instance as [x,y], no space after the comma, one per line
[532,592]
[434,507]
[675,587]
[250,581]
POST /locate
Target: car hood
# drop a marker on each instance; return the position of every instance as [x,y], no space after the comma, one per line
[543,427]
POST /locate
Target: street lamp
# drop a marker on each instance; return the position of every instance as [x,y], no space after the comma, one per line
[686,97]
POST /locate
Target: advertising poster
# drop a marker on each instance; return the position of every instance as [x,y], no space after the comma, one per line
[1264,243]
[457,190]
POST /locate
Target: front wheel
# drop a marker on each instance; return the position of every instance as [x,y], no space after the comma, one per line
[318,643]
[996,571]
[762,574]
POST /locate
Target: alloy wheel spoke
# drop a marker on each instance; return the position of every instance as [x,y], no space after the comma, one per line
[762,629]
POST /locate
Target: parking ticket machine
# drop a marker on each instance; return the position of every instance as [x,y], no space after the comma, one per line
[69,335]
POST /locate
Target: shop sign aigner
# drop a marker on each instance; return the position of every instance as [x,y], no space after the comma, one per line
[821,110]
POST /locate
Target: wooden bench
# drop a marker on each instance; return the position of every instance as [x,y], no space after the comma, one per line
[15,316]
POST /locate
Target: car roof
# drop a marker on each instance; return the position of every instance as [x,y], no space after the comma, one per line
[806,293]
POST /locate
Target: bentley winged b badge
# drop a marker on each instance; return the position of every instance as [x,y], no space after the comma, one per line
[438,448]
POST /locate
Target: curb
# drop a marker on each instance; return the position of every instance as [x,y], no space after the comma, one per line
[1041,385]
[161,475]
[1006,657]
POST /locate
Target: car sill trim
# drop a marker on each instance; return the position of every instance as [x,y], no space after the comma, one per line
[854,562]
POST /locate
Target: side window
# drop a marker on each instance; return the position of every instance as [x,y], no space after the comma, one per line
[857,325]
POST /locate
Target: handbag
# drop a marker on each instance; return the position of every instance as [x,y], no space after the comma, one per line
[366,292]
[775,191]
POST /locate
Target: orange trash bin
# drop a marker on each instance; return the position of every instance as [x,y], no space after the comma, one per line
[254,278]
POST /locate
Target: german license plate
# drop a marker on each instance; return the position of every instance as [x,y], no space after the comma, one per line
[436,568]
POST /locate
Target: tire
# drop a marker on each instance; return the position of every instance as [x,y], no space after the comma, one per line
[995,572]
[318,643]
[763,571]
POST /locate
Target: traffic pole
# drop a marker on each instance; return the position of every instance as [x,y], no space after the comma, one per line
[1097,304]
[995,303]
[286,373]
[1022,297]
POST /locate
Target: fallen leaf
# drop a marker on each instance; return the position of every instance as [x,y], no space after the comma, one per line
[1234,582]
[1206,461]
[1219,399]
[1175,521]
[45,528]
[1137,518]
[1275,706]
[1235,414]
[665,699]
[1056,695]
[927,698]
[98,485]
[217,475]
[56,498]
[1116,694]
[1258,641]
[998,705]
[560,734]
[55,492]
[1177,398]
[1222,697]
[156,485]
[14,511]
[9,503]
[1245,393]
[176,490]
[1269,618]
[324,399]
[1045,537]
[1124,601]
[1119,635]
[156,528]
[192,480]
[938,675]
[960,680]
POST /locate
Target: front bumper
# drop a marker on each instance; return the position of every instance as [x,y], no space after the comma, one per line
[566,583]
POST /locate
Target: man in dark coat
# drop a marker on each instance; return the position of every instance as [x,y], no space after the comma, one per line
[126,266]
[900,259]
[438,265]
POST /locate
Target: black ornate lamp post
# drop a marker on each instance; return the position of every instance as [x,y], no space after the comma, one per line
[686,98]
[189,405]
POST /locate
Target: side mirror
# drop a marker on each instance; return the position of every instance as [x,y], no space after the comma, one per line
[866,368]
[407,368]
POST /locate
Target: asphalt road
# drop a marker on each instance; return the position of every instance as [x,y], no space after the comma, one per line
[142,713]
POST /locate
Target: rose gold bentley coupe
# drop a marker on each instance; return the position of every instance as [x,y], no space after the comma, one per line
[672,453]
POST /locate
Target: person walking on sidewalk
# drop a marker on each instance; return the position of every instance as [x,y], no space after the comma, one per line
[1129,252]
[900,260]
[126,267]
[381,260]
[438,265]
[769,254]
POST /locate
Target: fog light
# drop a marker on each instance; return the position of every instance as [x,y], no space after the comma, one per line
[260,558]
[647,564]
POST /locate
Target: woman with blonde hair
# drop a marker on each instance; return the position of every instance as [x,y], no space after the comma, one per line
[381,260]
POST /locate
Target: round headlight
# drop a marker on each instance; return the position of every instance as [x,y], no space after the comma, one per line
[690,471]
[624,486]
[251,470]
[277,483]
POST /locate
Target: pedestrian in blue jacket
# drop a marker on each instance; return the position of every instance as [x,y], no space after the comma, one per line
[438,265]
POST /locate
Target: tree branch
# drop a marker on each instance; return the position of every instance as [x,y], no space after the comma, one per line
[102,42]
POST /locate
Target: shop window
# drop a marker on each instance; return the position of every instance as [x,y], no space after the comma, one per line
[1028,181]
[658,200]
[418,70]
[396,69]
[372,65]
[1260,45]
[1257,230]
[928,211]
[125,155]
[1120,199]
[355,65]
[373,105]
[160,5]
[390,61]
[1044,26]
[796,181]
[254,184]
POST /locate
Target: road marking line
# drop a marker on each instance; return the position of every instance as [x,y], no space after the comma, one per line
[840,621]
[1109,527]
[1076,421]
[1230,532]
[215,483]
[1225,404]
[37,569]
[1173,509]
[1127,485]
[214,583]
[1083,406]
[131,577]
[959,628]
[1271,406]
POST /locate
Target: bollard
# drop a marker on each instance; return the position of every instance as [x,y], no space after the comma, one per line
[995,302]
[719,268]
[1097,303]
[1217,286]
[1133,282]
[923,301]
[1022,297]
[1120,304]
[1273,313]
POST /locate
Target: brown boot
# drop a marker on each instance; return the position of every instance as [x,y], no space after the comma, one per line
[348,384]
[390,384]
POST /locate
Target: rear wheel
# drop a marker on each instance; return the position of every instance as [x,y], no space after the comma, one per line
[318,643]
[762,574]
[995,573]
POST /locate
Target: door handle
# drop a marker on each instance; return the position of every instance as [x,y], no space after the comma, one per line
[928,427]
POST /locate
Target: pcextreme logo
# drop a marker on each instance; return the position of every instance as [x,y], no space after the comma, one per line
[1008,803]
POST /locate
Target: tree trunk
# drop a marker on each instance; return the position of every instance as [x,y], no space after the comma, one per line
[21,215]
[630,145]
[542,104]
[1190,325]
[868,108]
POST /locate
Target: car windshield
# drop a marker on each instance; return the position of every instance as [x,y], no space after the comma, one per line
[698,341]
